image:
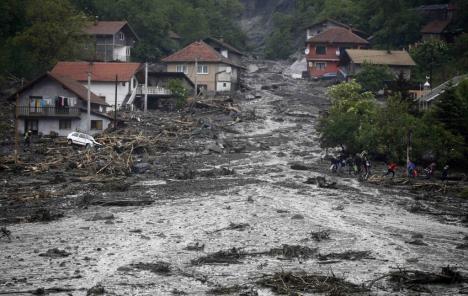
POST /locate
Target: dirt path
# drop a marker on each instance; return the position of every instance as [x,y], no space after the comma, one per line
[143,250]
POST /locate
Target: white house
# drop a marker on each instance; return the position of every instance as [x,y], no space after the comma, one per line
[57,104]
[103,78]
[114,40]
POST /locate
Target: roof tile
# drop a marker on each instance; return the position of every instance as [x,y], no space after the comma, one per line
[101,71]
[338,35]
[380,57]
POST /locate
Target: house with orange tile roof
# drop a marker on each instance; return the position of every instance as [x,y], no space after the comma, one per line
[207,68]
[325,48]
[103,78]
[57,104]
[113,40]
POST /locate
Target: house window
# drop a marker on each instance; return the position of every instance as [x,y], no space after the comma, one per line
[320,49]
[320,66]
[128,51]
[96,124]
[202,69]
[121,36]
[65,124]
[182,69]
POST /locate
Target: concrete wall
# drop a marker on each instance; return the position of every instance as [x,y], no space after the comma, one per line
[217,78]
[46,88]
[48,125]
[206,79]
[107,90]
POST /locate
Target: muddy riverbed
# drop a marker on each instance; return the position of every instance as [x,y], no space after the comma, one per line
[243,216]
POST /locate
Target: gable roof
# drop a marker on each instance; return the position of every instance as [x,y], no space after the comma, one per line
[107,27]
[337,35]
[73,86]
[199,51]
[223,44]
[339,24]
[380,57]
[101,71]
[435,27]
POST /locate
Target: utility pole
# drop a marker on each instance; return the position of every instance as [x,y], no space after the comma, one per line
[146,88]
[196,76]
[16,129]
[89,96]
[408,146]
[115,105]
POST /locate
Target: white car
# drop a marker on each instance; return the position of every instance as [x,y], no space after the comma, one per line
[82,139]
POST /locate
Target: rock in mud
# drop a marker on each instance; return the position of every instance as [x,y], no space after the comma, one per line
[322,182]
[299,167]
[141,168]
[96,290]
[55,253]
[214,148]
[297,217]
[102,216]
[417,242]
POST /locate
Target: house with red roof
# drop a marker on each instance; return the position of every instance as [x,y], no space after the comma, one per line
[207,68]
[113,40]
[324,50]
[57,104]
[103,78]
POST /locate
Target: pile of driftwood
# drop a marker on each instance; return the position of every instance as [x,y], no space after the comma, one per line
[290,283]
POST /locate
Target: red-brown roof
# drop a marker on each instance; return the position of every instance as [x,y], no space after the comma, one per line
[435,27]
[199,51]
[338,35]
[100,71]
[105,27]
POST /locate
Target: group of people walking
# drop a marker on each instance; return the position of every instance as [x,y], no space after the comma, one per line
[360,165]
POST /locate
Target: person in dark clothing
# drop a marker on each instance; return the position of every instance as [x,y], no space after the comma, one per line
[429,171]
[445,172]
[27,139]
[391,167]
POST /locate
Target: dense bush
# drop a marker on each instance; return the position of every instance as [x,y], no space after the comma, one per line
[358,123]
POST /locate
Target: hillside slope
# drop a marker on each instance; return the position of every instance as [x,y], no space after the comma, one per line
[257,19]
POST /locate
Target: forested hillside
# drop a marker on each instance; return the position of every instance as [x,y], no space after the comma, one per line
[34,35]
[391,23]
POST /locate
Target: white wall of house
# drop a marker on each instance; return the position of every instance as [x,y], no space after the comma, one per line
[107,90]
[48,125]
[47,88]
[223,86]
[122,53]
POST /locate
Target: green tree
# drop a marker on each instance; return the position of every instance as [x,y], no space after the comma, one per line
[280,43]
[179,92]
[373,77]
[428,56]
[54,31]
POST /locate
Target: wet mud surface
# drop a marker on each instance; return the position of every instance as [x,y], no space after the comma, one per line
[238,222]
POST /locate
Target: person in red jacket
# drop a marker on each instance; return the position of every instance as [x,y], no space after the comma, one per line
[391,168]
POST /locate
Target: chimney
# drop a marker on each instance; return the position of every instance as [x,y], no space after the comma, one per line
[96,20]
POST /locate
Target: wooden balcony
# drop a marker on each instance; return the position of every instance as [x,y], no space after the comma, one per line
[64,112]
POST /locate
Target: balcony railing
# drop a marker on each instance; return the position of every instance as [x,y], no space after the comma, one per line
[49,111]
[154,90]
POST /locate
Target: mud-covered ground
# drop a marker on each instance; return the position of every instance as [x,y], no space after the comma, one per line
[201,222]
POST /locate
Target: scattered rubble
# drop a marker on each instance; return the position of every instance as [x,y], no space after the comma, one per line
[348,255]
[289,283]
[320,235]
